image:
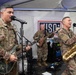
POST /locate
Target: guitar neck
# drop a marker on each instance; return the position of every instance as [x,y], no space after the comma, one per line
[24,49]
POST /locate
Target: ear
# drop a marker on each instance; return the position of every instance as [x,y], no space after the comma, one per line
[0,13]
[63,22]
[40,27]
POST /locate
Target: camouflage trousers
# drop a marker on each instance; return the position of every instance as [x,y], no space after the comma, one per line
[42,53]
[14,71]
[71,67]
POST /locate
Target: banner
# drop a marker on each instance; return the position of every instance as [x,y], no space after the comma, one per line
[50,26]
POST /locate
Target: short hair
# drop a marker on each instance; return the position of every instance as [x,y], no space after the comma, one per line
[42,23]
[65,17]
[5,7]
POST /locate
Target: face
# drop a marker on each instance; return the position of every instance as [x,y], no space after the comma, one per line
[67,22]
[6,14]
[42,26]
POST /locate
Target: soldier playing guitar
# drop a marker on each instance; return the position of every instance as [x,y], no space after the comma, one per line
[41,37]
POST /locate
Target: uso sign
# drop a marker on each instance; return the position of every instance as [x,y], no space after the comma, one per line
[50,26]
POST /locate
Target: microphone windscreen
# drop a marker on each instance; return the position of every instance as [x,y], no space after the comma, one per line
[13,17]
[74,24]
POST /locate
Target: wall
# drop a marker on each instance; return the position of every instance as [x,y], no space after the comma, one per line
[32,17]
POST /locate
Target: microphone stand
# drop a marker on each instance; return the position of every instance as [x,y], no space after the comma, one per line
[29,57]
[21,33]
[24,38]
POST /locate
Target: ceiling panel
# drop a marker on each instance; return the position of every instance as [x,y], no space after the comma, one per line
[40,4]
[34,3]
[4,1]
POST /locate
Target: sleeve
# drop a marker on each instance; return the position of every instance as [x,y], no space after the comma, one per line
[66,39]
[3,53]
[35,37]
[2,36]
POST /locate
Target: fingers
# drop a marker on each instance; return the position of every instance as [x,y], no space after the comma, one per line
[13,58]
[28,47]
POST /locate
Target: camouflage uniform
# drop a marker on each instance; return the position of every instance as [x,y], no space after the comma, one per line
[7,42]
[67,40]
[43,50]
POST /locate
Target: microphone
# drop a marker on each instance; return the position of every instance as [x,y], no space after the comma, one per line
[21,21]
[74,24]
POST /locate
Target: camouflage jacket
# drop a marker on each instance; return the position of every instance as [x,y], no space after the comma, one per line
[7,39]
[67,39]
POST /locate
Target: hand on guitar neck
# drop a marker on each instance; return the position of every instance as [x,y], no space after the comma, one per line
[28,47]
[53,33]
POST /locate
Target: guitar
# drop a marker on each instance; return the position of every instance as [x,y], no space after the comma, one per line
[6,66]
[40,42]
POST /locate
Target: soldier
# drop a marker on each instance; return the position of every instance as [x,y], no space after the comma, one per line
[41,36]
[8,41]
[67,41]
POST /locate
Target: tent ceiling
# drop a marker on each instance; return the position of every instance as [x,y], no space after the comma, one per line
[33,3]
[41,4]
[4,1]
[68,4]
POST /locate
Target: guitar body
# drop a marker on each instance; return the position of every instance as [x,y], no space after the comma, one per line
[6,67]
[40,42]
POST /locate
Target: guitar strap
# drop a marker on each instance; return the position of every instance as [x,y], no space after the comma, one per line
[13,49]
[16,41]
